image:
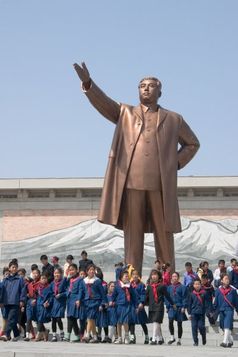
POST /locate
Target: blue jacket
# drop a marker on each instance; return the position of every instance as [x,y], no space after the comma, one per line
[94,291]
[179,295]
[220,302]
[13,290]
[188,279]
[195,306]
[233,275]
[119,296]
[140,292]
[43,313]
[62,290]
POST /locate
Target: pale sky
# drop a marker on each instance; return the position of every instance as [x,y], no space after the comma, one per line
[48,127]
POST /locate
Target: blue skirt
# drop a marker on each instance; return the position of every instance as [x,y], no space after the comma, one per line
[92,309]
[43,314]
[31,311]
[177,315]
[141,317]
[102,319]
[226,319]
[111,316]
[82,313]
[72,309]
[58,308]
[125,314]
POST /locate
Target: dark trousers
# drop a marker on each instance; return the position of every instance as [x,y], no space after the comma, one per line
[22,319]
[144,328]
[72,325]
[138,205]
[180,328]
[12,316]
[55,321]
[198,324]
[82,326]
[40,327]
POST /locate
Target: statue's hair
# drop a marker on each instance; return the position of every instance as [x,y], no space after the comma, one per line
[159,84]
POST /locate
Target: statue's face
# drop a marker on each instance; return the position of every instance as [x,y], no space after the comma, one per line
[149,92]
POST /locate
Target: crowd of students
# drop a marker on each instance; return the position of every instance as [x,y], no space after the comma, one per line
[95,308]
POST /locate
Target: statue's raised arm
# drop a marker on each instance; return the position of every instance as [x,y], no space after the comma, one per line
[105,105]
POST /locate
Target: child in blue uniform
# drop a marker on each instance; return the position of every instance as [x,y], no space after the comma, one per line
[95,300]
[140,314]
[22,315]
[43,308]
[102,321]
[178,294]
[189,276]
[226,301]
[111,312]
[125,300]
[5,273]
[210,294]
[233,275]
[82,313]
[74,283]
[31,313]
[156,293]
[13,298]
[196,310]
[58,289]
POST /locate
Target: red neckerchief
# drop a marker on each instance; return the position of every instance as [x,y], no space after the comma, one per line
[192,274]
[89,289]
[32,288]
[104,283]
[134,284]
[155,292]
[166,278]
[126,291]
[56,287]
[198,295]
[41,288]
[225,291]
[71,282]
[175,287]
[235,271]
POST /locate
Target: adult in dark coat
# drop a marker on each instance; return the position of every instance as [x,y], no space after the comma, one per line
[47,268]
[84,262]
[140,186]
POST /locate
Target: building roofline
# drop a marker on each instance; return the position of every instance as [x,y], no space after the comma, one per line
[97,182]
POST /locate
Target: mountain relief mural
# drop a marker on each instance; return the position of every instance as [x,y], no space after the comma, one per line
[200,239]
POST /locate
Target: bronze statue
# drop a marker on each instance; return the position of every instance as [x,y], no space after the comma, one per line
[140,187]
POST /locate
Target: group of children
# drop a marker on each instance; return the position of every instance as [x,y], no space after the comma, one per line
[92,306]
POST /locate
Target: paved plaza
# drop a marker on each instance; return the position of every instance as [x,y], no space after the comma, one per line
[42,349]
[64,349]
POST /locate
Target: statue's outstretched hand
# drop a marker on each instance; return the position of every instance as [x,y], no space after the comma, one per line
[82,72]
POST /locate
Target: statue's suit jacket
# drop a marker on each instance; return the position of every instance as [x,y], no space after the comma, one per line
[171,131]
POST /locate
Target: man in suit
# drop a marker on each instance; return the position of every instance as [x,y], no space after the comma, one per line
[140,186]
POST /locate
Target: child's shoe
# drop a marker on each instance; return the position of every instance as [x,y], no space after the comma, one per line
[118,341]
[66,337]
[147,340]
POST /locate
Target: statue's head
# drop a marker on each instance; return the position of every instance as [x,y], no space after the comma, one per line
[149,90]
